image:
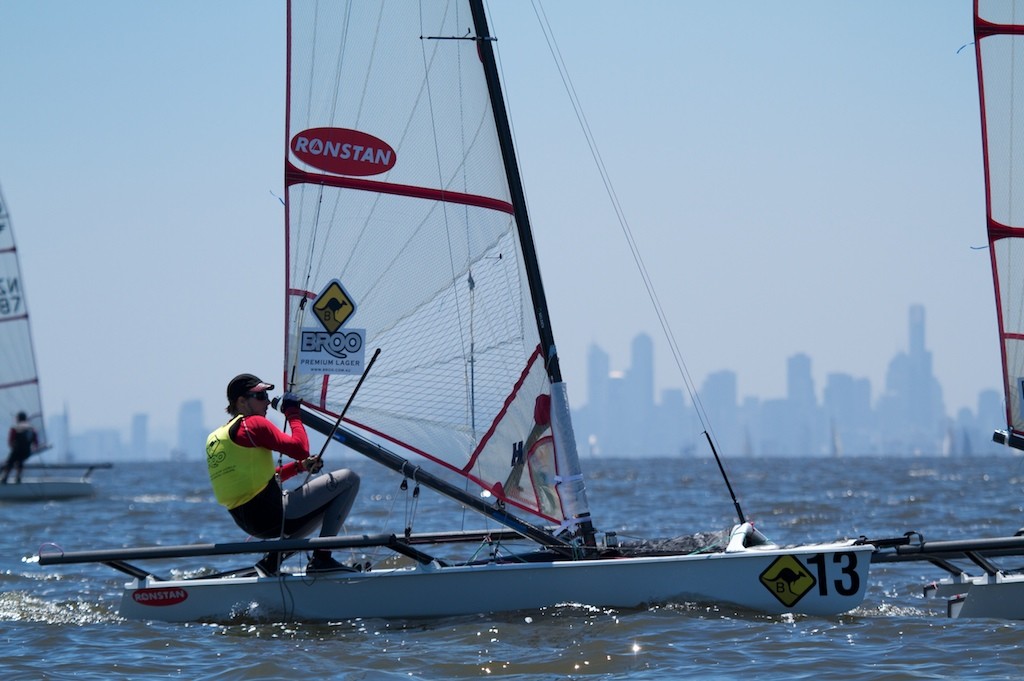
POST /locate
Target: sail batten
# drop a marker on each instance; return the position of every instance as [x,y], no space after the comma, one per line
[407,230]
[296,176]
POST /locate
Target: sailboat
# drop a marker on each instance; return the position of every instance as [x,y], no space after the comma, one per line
[977,583]
[409,245]
[19,385]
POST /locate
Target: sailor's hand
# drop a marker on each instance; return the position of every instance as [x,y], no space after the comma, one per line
[313,464]
[289,401]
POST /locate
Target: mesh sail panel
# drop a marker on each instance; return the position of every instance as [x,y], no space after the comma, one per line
[397,192]
[398,72]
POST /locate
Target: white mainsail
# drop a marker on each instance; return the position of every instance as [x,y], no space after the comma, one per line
[406,231]
[19,380]
[999,46]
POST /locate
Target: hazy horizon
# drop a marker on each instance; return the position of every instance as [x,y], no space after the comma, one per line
[795,177]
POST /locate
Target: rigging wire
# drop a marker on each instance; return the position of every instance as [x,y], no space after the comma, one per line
[620,213]
[457,269]
[630,240]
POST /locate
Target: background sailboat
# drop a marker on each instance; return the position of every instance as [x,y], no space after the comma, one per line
[978,586]
[19,384]
[19,380]
[999,45]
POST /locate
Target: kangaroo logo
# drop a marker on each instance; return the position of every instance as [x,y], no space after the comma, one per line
[333,307]
[788,580]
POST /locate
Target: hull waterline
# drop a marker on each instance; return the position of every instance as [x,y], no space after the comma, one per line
[743,580]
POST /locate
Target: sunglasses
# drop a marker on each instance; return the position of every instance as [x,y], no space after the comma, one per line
[259,396]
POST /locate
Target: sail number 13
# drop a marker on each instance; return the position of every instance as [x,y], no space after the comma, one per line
[848,584]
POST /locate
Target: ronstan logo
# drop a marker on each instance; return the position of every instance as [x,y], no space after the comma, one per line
[164,596]
[343,151]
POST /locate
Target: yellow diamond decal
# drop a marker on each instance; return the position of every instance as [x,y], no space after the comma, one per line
[333,307]
[788,579]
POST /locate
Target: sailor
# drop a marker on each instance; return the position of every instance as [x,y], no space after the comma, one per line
[22,440]
[245,480]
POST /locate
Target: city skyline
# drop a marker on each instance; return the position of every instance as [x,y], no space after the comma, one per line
[778,209]
[905,416]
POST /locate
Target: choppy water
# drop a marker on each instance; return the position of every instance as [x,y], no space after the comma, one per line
[62,623]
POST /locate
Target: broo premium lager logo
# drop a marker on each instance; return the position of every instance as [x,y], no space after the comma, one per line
[330,348]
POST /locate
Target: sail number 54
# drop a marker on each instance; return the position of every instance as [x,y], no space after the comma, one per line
[848,583]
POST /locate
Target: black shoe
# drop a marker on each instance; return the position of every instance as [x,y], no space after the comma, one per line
[269,565]
[326,564]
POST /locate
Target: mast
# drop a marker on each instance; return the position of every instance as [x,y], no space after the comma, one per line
[540,306]
[515,183]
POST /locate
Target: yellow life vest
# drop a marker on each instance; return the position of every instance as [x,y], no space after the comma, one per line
[237,473]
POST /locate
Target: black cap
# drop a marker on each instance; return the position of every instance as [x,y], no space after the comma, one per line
[245,383]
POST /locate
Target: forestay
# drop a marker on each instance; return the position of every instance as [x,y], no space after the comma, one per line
[406,231]
[19,380]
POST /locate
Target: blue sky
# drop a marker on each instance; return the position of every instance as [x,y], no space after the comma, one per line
[796,175]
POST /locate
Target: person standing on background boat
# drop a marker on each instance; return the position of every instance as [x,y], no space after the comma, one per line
[22,441]
[241,465]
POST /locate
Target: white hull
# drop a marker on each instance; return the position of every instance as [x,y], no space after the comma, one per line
[834,582]
[999,596]
[995,592]
[45,490]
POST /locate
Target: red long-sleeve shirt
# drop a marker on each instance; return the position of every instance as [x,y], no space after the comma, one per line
[258,431]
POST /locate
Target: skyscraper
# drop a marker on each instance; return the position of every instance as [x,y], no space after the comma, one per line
[191,431]
[641,371]
[598,367]
[140,436]
[911,411]
[799,382]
